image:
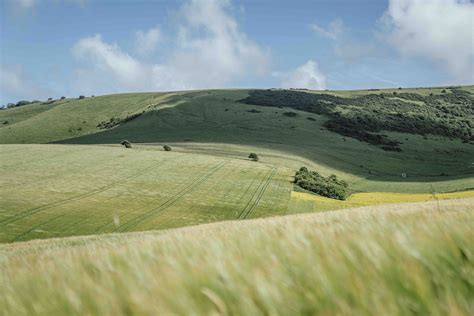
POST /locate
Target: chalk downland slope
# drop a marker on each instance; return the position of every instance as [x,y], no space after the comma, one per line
[430,163]
[400,259]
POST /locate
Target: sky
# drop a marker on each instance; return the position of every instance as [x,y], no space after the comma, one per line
[53,48]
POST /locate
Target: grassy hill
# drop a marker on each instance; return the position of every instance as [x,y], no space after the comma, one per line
[93,186]
[199,119]
[327,263]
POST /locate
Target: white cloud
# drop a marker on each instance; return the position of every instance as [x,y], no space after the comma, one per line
[334,30]
[147,42]
[343,44]
[25,4]
[210,51]
[28,5]
[107,64]
[305,76]
[441,30]
[15,85]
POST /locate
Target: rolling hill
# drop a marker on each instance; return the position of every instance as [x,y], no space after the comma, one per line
[85,184]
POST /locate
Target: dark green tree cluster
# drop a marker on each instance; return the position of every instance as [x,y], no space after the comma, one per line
[365,117]
[330,187]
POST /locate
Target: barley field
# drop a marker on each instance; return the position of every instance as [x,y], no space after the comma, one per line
[59,190]
[399,259]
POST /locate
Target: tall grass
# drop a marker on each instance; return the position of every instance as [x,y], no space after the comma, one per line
[384,260]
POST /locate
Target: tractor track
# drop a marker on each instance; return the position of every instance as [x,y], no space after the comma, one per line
[138,220]
[258,193]
[35,210]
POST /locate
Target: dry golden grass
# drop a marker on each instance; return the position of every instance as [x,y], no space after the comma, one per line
[302,202]
[398,259]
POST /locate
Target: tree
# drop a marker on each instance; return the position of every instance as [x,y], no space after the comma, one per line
[81,97]
[166,148]
[62,98]
[126,144]
[253,156]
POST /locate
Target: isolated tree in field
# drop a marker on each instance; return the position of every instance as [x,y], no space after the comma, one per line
[81,97]
[253,156]
[166,148]
[126,144]
[62,98]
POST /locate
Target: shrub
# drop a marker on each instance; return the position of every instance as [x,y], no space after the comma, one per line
[62,98]
[21,103]
[49,99]
[126,144]
[290,114]
[330,187]
[166,148]
[81,97]
[253,156]
[5,122]
[443,91]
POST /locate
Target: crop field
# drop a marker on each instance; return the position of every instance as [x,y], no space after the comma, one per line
[62,190]
[399,259]
[302,202]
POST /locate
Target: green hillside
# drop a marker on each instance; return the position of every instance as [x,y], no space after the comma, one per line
[430,162]
[404,259]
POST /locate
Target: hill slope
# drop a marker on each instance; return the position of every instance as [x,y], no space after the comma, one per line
[328,263]
[431,163]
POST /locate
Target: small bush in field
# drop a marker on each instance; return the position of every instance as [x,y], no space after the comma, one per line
[166,148]
[253,156]
[126,144]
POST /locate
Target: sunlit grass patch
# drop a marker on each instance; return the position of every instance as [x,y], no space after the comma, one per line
[302,202]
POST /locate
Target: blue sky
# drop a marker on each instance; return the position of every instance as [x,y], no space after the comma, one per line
[52,48]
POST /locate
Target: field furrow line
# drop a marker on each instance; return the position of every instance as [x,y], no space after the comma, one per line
[252,203]
[77,197]
[261,194]
[249,201]
[262,181]
[138,220]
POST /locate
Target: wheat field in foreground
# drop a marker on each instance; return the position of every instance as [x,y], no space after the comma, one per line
[398,259]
